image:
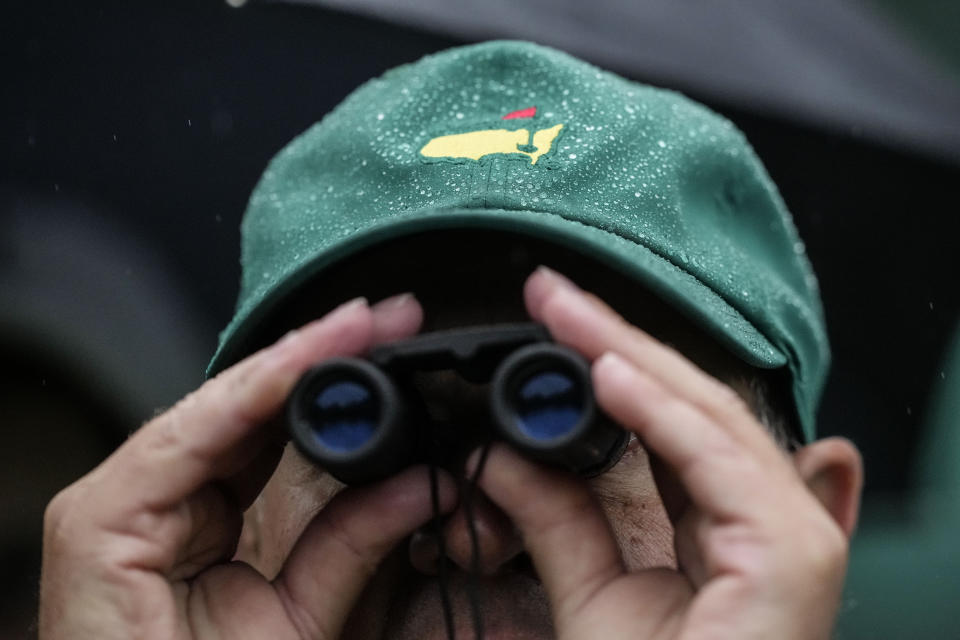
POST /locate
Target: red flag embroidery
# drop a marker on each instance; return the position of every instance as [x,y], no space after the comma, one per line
[529,112]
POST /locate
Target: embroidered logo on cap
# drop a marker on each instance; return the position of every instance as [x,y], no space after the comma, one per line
[474,145]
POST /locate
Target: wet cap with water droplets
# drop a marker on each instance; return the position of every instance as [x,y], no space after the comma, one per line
[517,137]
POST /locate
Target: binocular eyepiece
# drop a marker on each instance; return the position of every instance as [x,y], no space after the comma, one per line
[361,421]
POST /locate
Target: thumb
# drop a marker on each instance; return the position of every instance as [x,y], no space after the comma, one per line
[341,548]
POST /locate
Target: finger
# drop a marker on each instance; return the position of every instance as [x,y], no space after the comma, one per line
[245,485]
[672,494]
[563,527]
[218,429]
[584,322]
[212,538]
[396,317]
[720,474]
[341,548]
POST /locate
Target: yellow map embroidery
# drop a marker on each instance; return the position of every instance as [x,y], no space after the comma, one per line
[477,144]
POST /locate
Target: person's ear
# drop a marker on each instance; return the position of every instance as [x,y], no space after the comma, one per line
[833,471]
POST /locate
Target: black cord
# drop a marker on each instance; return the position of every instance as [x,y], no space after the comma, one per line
[442,579]
[469,492]
[473,592]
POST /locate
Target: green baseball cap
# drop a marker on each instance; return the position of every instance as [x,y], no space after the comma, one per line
[518,137]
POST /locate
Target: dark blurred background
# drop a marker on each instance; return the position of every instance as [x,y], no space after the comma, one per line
[132,134]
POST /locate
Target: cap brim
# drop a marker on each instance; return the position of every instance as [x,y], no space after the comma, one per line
[667,280]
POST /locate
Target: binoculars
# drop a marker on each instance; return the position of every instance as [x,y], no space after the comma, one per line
[362,420]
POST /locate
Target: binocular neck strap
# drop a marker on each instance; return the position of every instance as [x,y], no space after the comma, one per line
[467,500]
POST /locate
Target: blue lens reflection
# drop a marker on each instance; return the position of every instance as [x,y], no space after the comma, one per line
[548,405]
[344,416]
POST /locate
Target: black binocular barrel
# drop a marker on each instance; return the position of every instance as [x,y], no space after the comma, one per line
[349,417]
[542,403]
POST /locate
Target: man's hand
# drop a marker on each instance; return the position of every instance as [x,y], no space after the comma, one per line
[758,554]
[141,546]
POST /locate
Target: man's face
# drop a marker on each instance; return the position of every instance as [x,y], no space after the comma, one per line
[402,599]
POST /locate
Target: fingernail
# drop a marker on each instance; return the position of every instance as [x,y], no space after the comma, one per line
[394,302]
[615,365]
[347,308]
[556,278]
[291,336]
